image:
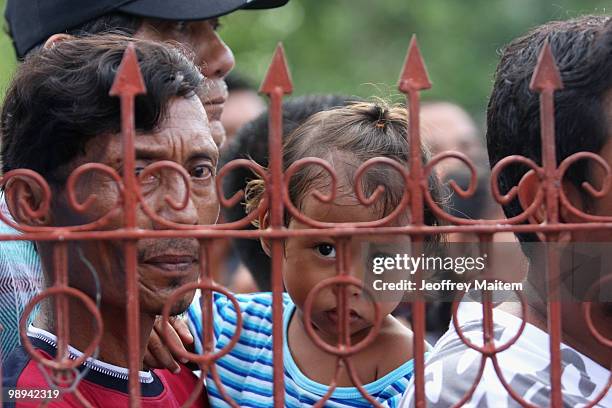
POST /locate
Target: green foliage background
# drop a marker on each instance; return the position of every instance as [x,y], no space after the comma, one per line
[357,47]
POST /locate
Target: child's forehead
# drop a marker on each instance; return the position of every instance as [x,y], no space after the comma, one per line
[344,208]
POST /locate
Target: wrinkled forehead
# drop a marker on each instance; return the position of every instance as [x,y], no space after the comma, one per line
[184,130]
[184,133]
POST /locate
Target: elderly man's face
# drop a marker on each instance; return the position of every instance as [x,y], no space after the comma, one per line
[211,54]
[163,265]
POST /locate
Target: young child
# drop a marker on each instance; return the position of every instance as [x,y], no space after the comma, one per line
[345,138]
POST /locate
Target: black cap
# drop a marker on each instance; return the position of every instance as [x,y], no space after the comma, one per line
[32,21]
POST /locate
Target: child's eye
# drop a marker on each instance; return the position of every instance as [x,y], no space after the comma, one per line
[326,250]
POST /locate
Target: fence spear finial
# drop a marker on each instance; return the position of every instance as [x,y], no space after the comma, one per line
[128,80]
[546,80]
[414,74]
[276,84]
[127,84]
[278,75]
[546,74]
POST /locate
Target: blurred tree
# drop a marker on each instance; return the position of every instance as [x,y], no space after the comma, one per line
[357,47]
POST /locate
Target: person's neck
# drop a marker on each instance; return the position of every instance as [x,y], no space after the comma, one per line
[331,339]
[113,347]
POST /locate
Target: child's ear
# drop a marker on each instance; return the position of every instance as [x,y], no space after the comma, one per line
[24,192]
[264,223]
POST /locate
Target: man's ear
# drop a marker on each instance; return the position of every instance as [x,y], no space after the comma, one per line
[264,223]
[576,200]
[530,185]
[528,188]
[55,39]
[24,192]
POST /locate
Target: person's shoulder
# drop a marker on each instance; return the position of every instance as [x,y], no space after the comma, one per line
[254,308]
[19,370]
[180,386]
[14,366]
[251,311]
[242,300]
[394,345]
[453,367]
[251,302]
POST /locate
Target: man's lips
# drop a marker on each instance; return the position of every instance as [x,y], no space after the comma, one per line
[217,100]
[171,263]
[214,109]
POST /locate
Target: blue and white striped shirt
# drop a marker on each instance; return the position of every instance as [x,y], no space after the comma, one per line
[246,371]
[20,281]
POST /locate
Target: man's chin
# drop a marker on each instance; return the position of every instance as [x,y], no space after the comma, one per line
[153,302]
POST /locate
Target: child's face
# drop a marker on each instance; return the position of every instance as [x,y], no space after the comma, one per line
[309,260]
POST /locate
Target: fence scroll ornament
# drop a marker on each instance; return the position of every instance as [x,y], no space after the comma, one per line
[277,83]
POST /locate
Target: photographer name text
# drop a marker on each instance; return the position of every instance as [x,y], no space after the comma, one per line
[446,285]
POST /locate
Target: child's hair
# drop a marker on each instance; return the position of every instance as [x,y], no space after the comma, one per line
[351,135]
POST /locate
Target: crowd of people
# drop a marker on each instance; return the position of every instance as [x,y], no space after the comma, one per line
[57,115]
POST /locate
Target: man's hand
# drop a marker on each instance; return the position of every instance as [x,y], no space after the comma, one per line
[158,355]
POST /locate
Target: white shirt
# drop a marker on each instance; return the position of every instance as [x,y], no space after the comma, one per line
[452,367]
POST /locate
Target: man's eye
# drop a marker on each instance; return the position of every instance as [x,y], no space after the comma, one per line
[202,172]
[181,26]
[216,24]
[138,170]
[150,178]
[326,250]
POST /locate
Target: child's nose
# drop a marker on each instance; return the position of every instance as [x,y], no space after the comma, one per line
[352,290]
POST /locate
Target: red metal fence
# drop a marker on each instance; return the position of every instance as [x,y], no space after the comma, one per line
[413,80]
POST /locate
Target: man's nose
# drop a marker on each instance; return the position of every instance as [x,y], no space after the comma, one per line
[219,60]
[174,190]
